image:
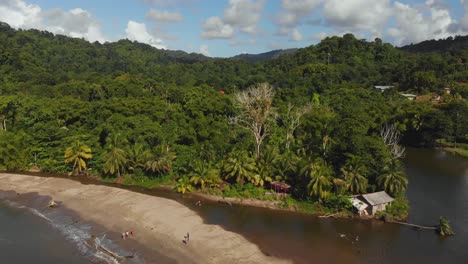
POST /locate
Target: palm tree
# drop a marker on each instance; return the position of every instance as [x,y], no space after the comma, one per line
[320,178]
[393,180]
[114,158]
[353,173]
[137,156]
[161,161]
[203,174]
[76,155]
[239,166]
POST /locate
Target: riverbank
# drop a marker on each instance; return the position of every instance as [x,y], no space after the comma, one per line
[158,223]
[457,151]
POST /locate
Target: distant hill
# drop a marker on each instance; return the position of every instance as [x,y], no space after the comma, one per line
[182,56]
[449,44]
[264,56]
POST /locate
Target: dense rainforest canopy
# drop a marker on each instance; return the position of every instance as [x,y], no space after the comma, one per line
[126,108]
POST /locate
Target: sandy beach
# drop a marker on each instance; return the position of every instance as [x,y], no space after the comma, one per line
[159,224]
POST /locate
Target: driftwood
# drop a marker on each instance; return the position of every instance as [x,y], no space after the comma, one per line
[105,250]
[328,215]
[226,201]
[52,204]
[417,226]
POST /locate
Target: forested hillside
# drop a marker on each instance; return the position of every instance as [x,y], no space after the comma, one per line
[274,54]
[126,109]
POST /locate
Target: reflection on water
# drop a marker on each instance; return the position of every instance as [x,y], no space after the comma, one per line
[438,186]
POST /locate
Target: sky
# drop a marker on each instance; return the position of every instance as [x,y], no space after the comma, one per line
[224,28]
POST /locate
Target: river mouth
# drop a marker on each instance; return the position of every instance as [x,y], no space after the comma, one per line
[61,228]
[438,184]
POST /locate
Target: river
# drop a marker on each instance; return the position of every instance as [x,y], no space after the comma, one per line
[438,186]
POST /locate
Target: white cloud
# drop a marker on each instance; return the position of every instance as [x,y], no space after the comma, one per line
[214,27]
[243,13]
[292,15]
[204,50]
[240,15]
[296,35]
[295,10]
[17,13]
[138,32]
[464,20]
[355,15]
[75,23]
[164,16]
[170,3]
[414,25]
[319,36]
[236,42]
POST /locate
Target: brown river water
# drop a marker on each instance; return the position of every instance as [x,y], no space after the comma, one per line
[438,187]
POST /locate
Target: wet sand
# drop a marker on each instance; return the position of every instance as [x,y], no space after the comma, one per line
[159,224]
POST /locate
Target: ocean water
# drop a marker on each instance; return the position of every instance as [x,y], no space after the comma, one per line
[29,235]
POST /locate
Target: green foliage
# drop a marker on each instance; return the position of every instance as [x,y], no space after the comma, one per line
[14,151]
[444,228]
[320,178]
[246,191]
[337,203]
[353,173]
[161,160]
[115,157]
[304,206]
[398,209]
[393,180]
[76,155]
[239,166]
[56,91]
[183,185]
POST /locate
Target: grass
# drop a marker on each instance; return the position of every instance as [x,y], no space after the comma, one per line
[457,151]
[141,180]
[397,210]
[248,191]
[460,149]
[303,206]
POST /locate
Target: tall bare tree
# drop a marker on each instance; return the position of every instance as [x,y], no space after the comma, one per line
[256,113]
[292,120]
[391,137]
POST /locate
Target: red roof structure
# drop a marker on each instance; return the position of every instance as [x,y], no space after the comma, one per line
[280,186]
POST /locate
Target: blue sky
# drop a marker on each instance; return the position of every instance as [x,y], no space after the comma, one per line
[223,28]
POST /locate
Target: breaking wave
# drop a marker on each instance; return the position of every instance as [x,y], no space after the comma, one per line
[80,234]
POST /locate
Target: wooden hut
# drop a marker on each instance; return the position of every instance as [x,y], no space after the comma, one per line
[371,203]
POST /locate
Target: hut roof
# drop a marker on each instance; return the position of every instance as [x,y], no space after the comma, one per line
[377,198]
[358,204]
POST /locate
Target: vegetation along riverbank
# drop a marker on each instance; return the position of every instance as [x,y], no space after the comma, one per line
[330,127]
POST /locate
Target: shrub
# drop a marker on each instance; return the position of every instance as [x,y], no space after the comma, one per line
[398,209]
[337,202]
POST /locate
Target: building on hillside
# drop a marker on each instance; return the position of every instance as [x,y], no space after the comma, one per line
[371,203]
[383,87]
[435,98]
[447,90]
[409,96]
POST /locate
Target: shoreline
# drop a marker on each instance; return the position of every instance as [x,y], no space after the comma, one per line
[159,222]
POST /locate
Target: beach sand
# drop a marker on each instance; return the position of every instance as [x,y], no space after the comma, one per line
[159,224]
